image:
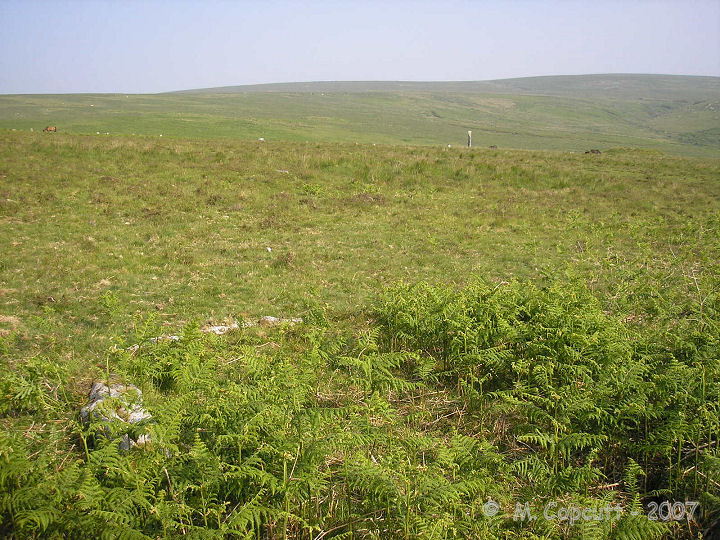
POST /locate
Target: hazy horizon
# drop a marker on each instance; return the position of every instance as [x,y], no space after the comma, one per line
[76,46]
[386,81]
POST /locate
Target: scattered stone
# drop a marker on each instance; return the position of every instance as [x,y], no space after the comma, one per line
[275,321]
[220,329]
[126,409]
[165,338]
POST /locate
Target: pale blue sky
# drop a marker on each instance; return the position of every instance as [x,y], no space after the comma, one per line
[154,46]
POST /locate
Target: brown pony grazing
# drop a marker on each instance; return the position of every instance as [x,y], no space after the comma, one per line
[51,128]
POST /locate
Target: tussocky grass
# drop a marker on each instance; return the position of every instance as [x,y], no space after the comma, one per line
[399,409]
[213,229]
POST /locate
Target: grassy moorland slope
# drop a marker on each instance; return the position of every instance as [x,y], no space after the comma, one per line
[480,325]
[612,86]
[680,115]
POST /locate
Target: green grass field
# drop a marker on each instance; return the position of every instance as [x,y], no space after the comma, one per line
[480,325]
[679,115]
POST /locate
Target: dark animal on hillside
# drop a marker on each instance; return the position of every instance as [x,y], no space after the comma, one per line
[50,128]
[593,151]
[493,146]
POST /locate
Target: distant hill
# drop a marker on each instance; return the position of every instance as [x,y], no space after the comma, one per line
[625,86]
[675,114]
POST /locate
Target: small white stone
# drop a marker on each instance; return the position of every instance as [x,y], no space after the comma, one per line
[221,329]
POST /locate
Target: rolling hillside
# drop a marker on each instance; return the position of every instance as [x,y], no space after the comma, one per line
[674,114]
[624,86]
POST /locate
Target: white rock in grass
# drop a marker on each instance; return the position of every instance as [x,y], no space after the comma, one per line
[267,320]
[164,338]
[220,329]
[125,409]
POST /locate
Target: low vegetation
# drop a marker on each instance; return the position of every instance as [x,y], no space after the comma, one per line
[673,114]
[481,329]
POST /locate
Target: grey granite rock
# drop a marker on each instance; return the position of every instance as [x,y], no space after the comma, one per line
[117,404]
